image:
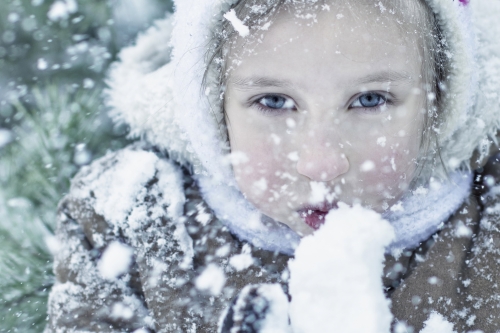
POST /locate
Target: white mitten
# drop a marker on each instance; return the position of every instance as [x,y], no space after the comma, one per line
[261,308]
[336,276]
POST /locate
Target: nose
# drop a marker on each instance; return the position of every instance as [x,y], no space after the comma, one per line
[322,162]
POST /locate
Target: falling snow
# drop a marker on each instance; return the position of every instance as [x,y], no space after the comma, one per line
[238,25]
[163,235]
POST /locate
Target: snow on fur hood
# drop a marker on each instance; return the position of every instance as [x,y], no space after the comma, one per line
[156,89]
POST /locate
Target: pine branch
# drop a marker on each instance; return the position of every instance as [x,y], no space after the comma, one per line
[57,125]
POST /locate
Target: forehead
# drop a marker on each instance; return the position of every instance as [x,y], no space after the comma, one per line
[327,36]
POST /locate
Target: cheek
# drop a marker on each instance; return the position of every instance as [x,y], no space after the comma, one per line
[393,166]
[391,145]
[260,178]
[264,145]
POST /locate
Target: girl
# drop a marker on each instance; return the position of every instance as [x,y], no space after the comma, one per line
[257,118]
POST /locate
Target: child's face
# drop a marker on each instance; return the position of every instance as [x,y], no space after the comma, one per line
[325,113]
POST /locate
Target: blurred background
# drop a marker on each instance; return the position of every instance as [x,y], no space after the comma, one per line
[54,55]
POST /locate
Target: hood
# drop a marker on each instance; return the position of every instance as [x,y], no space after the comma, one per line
[156,89]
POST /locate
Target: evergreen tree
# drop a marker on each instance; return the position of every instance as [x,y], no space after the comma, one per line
[53,59]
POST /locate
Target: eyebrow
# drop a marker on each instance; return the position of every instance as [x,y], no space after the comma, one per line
[253,82]
[259,82]
[384,77]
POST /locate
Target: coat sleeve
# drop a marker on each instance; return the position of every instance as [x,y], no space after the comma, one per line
[136,198]
[81,299]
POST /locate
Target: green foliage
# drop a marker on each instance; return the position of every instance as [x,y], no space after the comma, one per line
[70,47]
[73,48]
[25,269]
[52,73]
[59,129]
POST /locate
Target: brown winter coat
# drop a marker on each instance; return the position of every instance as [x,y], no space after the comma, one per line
[455,273]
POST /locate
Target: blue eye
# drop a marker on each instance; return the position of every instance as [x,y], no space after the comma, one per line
[276,102]
[369,100]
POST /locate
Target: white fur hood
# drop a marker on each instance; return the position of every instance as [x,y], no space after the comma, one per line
[156,89]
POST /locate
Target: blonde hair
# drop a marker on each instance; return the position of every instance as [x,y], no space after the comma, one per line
[415,21]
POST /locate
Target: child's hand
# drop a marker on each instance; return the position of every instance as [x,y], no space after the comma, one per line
[335,278]
[258,309]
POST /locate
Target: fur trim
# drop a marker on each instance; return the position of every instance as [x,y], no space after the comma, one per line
[141,92]
[471,110]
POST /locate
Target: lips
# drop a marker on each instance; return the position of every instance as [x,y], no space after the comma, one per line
[314,216]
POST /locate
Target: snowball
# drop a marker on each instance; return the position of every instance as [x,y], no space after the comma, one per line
[212,279]
[242,261]
[437,324]
[398,207]
[223,251]
[88,83]
[433,280]
[393,164]
[335,278]
[453,163]
[236,23]
[260,185]
[5,137]
[381,141]
[19,203]
[82,155]
[293,156]
[53,244]
[42,64]
[462,230]
[277,316]
[202,216]
[13,17]
[122,311]
[319,192]
[60,10]
[367,166]
[276,139]
[115,260]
